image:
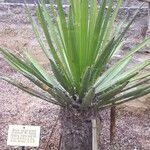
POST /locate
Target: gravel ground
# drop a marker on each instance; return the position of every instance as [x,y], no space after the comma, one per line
[133,119]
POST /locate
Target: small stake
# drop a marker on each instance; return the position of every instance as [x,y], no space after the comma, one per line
[148,15]
[94,135]
[96,127]
[23,148]
[112,124]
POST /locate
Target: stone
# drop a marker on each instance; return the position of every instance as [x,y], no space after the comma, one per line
[16,9]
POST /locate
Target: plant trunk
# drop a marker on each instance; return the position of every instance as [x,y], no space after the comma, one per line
[76,130]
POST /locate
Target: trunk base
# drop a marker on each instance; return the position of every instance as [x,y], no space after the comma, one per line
[76,130]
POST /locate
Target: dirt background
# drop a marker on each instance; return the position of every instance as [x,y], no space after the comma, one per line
[17,107]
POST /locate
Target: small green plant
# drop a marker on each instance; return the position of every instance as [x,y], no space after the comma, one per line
[80,47]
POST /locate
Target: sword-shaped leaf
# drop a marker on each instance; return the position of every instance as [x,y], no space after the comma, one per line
[31,91]
[61,78]
[87,100]
[123,77]
[84,83]
[38,34]
[131,93]
[110,94]
[42,71]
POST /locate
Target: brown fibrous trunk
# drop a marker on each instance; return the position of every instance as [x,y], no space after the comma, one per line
[76,129]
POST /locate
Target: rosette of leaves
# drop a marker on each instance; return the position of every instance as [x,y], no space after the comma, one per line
[80,43]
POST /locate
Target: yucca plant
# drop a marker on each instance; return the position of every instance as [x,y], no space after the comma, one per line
[81,43]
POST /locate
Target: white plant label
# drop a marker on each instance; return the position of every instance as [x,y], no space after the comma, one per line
[19,135]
